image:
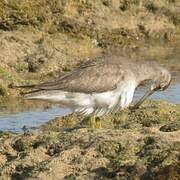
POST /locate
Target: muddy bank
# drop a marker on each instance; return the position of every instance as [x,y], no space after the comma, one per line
[141,144]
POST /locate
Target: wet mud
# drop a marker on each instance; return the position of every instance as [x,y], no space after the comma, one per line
[141,144]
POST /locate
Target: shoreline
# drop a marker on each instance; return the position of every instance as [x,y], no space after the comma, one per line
[146,141]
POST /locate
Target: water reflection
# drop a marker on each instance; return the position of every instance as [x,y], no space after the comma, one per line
[15,122]
[172,94]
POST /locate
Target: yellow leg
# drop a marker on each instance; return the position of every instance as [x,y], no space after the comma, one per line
[95,122]
[82,1]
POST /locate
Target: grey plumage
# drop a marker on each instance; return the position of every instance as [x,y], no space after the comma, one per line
[96,77]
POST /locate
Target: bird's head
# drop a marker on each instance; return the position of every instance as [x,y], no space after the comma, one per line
[162,80]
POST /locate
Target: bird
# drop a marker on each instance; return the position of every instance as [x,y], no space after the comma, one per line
[102,85]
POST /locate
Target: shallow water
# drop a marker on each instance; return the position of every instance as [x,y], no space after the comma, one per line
[32,117]
[172,94]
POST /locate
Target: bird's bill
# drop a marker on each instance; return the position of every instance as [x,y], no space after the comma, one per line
[149,93]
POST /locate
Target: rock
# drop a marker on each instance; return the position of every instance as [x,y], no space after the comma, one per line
[170,127]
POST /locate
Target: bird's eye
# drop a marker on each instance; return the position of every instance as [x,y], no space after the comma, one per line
[164,86]
[161,86]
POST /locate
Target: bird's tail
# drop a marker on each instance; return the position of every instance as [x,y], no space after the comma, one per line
[32,87]
[22,86]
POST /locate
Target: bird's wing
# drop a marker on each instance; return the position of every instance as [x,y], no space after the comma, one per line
[96,76]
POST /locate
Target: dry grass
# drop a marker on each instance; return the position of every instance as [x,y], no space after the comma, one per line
[112,14]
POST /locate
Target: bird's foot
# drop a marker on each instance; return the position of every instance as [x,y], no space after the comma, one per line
[133,108]
[74,128]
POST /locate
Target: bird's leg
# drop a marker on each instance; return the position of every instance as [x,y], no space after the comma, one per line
[95,122]
[149,93]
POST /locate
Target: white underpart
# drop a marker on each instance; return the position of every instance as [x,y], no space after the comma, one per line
[97,103]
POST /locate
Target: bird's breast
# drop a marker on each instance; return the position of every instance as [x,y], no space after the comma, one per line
[105,99]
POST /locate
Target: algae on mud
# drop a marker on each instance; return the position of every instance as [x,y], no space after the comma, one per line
[130,145]
[151,114]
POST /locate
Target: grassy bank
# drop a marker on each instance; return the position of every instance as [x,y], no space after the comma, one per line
[124,18]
